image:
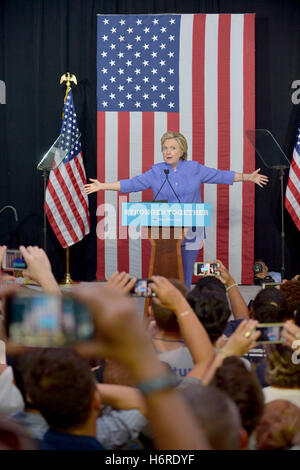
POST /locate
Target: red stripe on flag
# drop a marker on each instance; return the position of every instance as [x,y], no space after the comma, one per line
[123,173]
[148,160]
[79,165]
[295,166]
[292,213]
[249,153]
[55,227]
[222,236]
[173,122]
[294,190]
[100,274]
[70,170]
[68,195]
[61,210]
[198,106]
[198,69]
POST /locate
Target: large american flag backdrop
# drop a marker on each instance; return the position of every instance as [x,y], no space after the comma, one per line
[191,73]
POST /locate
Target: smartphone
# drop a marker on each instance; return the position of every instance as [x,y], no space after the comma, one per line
[270,333]
[266,285]
[142,288]
[47,321]
[14,260]
[206,269]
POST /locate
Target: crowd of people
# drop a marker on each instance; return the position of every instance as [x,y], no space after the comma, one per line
[184,377]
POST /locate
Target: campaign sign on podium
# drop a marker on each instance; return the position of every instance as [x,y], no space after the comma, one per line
[155,214]
[167,225]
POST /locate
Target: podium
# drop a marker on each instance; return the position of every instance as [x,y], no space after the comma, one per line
[168,224]
[165,258]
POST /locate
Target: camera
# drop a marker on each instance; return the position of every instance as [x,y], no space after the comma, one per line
[206,269]
[14,260]
[270,333]
[47,320]
[142,288]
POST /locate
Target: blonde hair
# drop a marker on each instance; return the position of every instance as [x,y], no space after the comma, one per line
[181,140]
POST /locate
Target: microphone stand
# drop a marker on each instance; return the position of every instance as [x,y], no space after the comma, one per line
[167,176]
[281,176]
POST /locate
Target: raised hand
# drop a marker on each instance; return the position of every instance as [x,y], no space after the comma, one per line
[243,339]
[291,333]
[259,179]
[39,268]
[93,187]
[122,281]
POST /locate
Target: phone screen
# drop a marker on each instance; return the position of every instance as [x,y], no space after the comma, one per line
[14,260]
[142,288]
[270,333]
[47,321]
[205,269]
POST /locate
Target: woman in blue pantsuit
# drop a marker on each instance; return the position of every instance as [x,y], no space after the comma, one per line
[185,179]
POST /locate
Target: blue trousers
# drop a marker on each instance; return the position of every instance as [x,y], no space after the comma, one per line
[189,252]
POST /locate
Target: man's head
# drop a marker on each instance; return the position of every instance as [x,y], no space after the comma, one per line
[260,268]
[166,319]
[279,426]
[217,415]
[63,388]
[243,387]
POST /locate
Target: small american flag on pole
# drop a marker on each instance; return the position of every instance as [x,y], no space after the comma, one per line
[66,204]
[292,195]
[194,74]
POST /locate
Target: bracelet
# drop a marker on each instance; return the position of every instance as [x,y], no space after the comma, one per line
[232,285]
[158,384]
[183,314]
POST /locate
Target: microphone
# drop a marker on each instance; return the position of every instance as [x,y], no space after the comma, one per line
[167,177]
[166,173]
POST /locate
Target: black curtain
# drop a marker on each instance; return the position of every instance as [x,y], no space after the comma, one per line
[42,39]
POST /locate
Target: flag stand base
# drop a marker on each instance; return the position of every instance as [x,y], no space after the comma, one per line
[67,281]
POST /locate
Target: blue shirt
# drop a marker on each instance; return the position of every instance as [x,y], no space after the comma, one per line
[186,180]
[55,440]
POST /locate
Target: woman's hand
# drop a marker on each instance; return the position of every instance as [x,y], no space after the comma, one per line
[167,295]
[39,268]
[2,254]
[93,187]
[243,339]
[291,333]
[123,282]
[257,178]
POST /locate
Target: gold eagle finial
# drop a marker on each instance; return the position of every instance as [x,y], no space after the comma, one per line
[67,77]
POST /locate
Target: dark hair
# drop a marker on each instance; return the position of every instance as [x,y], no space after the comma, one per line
[21,363]
[269,305]
[281,370]
[243,387]
[217,415]
[211,283]
[116,373]
[165,318]
[212,309]
[61,386]
[291,290]
[297,314]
